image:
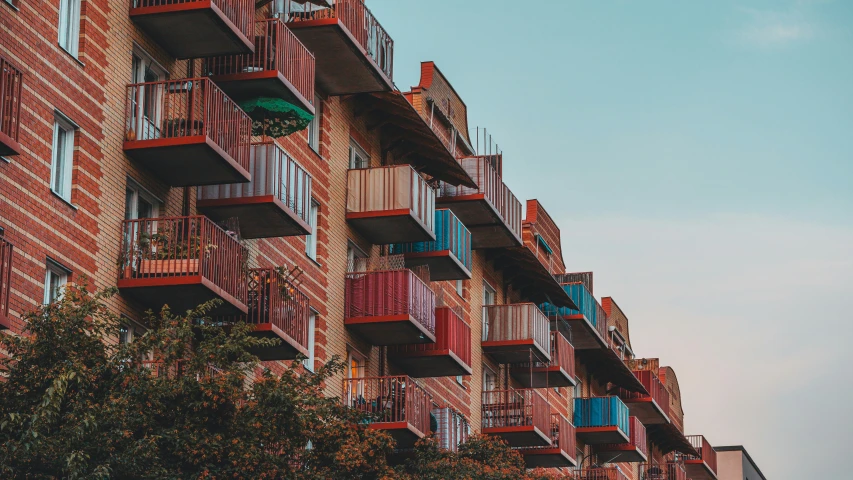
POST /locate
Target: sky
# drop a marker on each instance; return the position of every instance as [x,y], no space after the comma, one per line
[698,157]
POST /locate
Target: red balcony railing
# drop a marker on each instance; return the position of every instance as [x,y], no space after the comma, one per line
[185,110]
[360,22]
[276,50]
[492,187]
[11,85]
[165,251]
[274,301]
[637,440]
[451,334]
[452,428]
[662,471]
[389,401]
[504,409]
[707,454]
[389,293]
[239,12]
[562,436]
[516,324]
[657,390]
[5,281]
[562,353]
[600,473]
[390,189]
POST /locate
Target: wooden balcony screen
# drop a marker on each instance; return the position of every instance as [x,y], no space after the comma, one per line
[383,189]
[512,323]
[389,293]
[11,87]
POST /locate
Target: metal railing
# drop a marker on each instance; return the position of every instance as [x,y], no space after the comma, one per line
[240,12]
[588,306]
[562,353]
[520,321]
[5,280]
[360,22]
[276,49]
[389,293]
[662,471]
[657,390]
[274,173]
[516,408]
[492,187]
[274,300]
[397,187]
[562,436]
[173,248]
[600,473]
[606,411]
[396,399]
[450,234]
[451,333]
[11,87]
[453,428]
[193,107]
[707,453]
[636,437]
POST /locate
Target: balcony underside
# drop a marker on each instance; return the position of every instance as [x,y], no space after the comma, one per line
[699,470]
[547,458]
[543,377]
[287,348]
[180,294]
[669,438]
[8,146]
[584,334]
[405,435]
[266,83]
[620,453]
[191,30]
[606,365]
[488,229]
[434,363]
[515,351]
[600,435]
[646,410]
[260,217]
[390,330]
[443,265]
[343,66]
[187,161]
[520,436]
[390,226]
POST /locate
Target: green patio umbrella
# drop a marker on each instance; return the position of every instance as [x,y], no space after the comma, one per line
[275,117]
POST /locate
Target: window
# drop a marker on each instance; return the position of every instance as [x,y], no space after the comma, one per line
[488,299]
[314,126]
[62,161]
[355,370]
[146,101]
[55,279]
[129,331]
[139,203]
[460,288]
[311,240]
[69,25]
[358,158]
[353,255]
[460,380]
[490,379]
[312,324]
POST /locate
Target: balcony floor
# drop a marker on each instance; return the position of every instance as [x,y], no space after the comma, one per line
[542,377]
[389,330]
[646,410]
[342,65]
[488,229]
[443,265]
[620,453]
[191,30]
[435,363]
[187,161]
[180,294]
[547,458]
[8,147]
[260,217]
[390,226]
[699,470]
[514,351]
[288,348]
[600,435]
[522,436]
[266,83]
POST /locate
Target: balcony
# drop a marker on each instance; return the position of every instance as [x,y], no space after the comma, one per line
[391,307]
[449,356]
[520,417]
[651,408]
[588,322]
[276,203]
[354,53]
[704,465]
[636,449]
[390,205]
[662,471]
[561,452]
[491,212]
[196,28]
[601,420]
[516,333]
[182,262]
[11,88]
[396,405]
[452,429]
[448,257]
[5,282]
[281,67]
[280,311]
[558,372]
[188,132]
[600,473]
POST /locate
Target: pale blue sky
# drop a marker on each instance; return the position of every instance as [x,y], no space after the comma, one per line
[698,157]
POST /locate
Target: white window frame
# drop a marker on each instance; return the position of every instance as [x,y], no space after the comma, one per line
[489,373]
[141,62]
[140,192]
[311,240]
[488,291]
[312,325]
[314,126]
[69,26]
[358,157]
[460,288]
[353,253]
[62,158]
[53,268]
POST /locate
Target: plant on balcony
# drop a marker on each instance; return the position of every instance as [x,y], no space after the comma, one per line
[275,117]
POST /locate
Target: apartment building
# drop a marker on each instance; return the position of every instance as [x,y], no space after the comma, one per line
[735,463]
[134,137]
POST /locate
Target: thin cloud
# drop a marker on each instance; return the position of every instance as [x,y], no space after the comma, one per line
[768,29]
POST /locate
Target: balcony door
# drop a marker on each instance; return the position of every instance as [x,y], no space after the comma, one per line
[146,101]
[489,298]
[138,204]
